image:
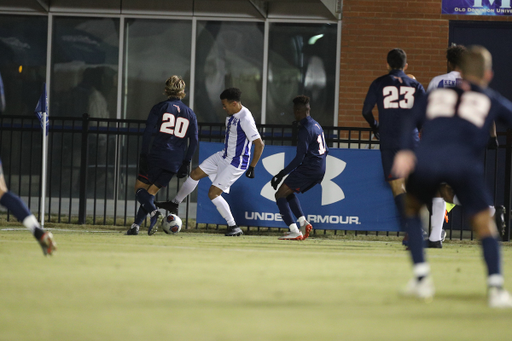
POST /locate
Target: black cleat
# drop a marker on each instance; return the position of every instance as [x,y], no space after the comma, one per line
[234,231]
[168,206]
[133,231]
[434,245]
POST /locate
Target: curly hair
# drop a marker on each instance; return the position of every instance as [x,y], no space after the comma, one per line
[175,87]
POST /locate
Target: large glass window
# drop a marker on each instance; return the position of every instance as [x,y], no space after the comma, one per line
[84,67]
[229,54]
[155,50]
[23,41]
[302,60]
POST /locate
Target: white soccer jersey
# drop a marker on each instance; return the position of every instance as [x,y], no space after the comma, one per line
[240,132]
[444,81]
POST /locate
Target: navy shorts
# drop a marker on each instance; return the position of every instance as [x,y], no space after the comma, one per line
[387,157]
[301,181]
[156,176]
[466,179]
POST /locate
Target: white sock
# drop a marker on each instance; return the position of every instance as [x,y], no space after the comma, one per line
[456,200]
[495,280]
[421,269]
[188,187]
[224,210]
[293,228]
[302,220]
[493,210]
[437,219]
[31,223]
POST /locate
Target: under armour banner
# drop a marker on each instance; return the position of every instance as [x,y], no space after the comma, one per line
[352,196]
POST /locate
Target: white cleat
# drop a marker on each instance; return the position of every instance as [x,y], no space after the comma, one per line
[292,236]
[306,230]
[423,290]
[499,298]
[47,243]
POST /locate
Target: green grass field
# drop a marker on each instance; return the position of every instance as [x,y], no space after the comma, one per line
[204,286]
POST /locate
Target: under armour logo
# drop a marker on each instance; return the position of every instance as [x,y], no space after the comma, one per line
[331,192]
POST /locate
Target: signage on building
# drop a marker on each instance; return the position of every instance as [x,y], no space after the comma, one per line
[352,196]
[477,7]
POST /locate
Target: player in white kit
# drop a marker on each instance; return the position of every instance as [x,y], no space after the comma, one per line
[226,166]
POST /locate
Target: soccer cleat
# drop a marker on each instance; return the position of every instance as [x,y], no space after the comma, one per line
[168,206]
[156,219]
[434,245]
[292,236]
[133,230]
[47,243]
[499,298]
[306,230]
[234,231]
[422,289]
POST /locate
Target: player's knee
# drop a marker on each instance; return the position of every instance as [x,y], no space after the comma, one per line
[214,192]
[290,197]
[196,174]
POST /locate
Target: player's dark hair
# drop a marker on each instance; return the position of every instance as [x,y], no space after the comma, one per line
[301,100]
[397,59]
[454,54]
[231,94]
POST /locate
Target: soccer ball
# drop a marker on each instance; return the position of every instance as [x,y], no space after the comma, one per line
[172,224]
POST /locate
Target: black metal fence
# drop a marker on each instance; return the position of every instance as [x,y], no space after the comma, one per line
[92,166]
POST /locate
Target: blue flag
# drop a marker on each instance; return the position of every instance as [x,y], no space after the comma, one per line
[42,107]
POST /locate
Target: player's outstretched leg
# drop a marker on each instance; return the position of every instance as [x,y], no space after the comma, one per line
[172,206]
[18,208]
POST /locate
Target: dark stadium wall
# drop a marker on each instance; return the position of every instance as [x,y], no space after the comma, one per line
[370,28]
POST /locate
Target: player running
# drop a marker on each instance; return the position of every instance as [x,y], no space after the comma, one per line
[18,208]
[395,94]
[456,122]
[306,170]
[169,127]
[226,166]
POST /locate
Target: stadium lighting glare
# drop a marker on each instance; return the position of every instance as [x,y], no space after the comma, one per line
[313,39]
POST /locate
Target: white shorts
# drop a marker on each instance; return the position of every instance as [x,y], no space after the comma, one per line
[220,172]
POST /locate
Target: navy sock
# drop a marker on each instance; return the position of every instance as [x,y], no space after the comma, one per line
[146,200]
[14,204]
[285,211]
[400,206]
[491,250]
[294,204]
[415,239]
[141,215]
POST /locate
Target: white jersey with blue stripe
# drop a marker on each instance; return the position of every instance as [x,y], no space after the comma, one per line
[450,79]
[240,132]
